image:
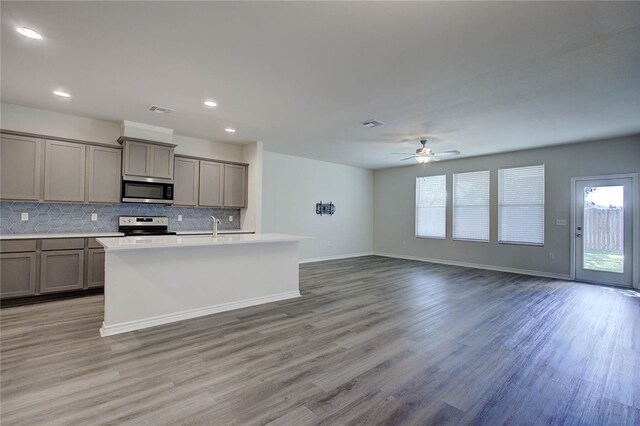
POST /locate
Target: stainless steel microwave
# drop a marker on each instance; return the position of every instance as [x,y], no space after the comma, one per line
[147,192]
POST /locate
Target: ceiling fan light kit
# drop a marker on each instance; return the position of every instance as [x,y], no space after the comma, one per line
[423,159]
[425,155]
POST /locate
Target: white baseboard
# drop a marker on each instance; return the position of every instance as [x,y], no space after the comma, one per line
[192,313]
[336,257]
[479,266]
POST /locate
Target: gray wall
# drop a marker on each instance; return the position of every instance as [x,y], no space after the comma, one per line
[291,188]
[394,204]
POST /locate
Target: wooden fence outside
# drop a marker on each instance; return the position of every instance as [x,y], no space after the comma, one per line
[603,229]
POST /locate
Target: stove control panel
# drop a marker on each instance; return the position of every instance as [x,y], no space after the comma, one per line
[143,221]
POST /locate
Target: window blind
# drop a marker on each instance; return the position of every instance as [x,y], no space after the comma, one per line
[521,205]
[431,206]
[471,206]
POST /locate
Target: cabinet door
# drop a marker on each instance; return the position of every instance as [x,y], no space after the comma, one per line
[137,159]
[234,185]
[104,174]
[185,181]
[95,268]
[18,271]
[20,165]
[61,270]
[211,184]
[64,164]
[161,162]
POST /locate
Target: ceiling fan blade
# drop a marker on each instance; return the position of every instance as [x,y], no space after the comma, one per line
[402,153]
[408,158]
[453,152]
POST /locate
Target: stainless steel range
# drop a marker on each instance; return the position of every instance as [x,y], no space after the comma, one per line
[144,225]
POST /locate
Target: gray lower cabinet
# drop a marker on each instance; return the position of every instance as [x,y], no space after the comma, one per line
[104,174]
[51,265]
[61,270]
[186,181]
[234,185]
[20,166]
[18,272]
[64,171]
[211,184]
[95,268]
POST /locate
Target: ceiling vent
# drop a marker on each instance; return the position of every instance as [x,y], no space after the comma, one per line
[372,123]
[160,109]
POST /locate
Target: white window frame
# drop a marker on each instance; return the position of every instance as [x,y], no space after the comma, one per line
[416,215]
[453,202]
[544,196]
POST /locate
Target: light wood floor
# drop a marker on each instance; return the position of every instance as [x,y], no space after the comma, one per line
[372,340]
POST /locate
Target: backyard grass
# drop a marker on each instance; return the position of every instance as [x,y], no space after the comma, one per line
[604,260]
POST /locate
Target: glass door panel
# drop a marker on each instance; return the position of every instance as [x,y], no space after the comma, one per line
[603,225]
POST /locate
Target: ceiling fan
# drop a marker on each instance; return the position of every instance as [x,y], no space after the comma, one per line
[424,155]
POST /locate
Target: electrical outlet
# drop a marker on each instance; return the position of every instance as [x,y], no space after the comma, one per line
[561,222]
[179,218]
[24,217]
[230,218]
[94,216]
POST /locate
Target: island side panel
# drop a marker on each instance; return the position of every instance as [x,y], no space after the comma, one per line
[149,287]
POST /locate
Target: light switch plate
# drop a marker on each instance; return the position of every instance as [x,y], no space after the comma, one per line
[94,216]
[230,218]
[179,218]
[561,222]
[24,217]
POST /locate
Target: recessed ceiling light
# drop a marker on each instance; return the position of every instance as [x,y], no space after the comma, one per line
[211,103]
[61,94]
[230,130]
[28,32]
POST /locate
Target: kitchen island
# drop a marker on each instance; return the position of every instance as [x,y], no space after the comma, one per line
[156,280]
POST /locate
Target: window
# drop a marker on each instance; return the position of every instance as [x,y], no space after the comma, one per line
[431,206]
[521,205]
[471,206]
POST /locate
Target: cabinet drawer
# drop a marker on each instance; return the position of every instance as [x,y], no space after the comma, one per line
[63,244]
[17,246]
[93,243]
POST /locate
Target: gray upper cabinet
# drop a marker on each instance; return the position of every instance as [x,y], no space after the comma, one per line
[186,181]
[137,159]
[103,174]
[211,184]
[161,162]
[142,159]
[64,171]
[234,185]
[20,166]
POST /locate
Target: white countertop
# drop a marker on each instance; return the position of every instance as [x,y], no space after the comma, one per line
[176,241]
[61,235]
[208,231]
[102,234]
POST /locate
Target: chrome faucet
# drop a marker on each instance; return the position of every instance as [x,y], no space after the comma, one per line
[216,222]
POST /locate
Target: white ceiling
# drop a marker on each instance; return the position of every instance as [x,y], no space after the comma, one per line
[489,77]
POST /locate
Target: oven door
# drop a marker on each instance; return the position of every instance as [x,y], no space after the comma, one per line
[147,192]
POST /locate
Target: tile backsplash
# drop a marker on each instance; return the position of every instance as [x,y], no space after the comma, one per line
[65,217]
